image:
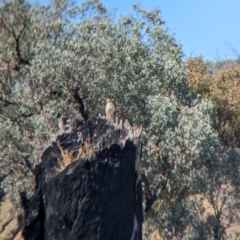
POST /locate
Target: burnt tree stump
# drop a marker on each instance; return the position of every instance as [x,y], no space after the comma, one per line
[88,184]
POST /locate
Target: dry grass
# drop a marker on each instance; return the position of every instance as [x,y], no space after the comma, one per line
[8,226]
[69,157]
[5,214]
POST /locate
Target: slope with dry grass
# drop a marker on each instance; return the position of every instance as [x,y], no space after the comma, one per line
[9,226]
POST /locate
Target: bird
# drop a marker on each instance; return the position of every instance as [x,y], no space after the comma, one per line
[61,124]
[109,108]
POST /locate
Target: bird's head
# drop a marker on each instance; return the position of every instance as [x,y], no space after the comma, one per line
[109,100]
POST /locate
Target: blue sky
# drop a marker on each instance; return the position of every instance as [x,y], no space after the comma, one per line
[210,28]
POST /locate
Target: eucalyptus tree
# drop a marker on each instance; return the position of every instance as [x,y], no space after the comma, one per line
[62,58]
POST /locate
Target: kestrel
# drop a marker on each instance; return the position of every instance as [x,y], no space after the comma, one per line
[61,124]
[109,108]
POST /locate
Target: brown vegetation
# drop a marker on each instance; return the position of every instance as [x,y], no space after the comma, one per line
[223,88]
[69,157]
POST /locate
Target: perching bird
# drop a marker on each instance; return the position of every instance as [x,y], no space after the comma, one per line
[61,124]
[109,108]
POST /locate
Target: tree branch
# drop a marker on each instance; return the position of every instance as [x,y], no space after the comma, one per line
[17,39]
[22,115]
[151,198]
[79,100]
[6,102]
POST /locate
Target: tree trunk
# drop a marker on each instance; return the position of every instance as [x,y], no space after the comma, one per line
[98,195]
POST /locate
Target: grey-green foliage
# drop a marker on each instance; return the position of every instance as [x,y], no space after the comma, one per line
[50,53]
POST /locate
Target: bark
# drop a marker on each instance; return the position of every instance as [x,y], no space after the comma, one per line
[98,196]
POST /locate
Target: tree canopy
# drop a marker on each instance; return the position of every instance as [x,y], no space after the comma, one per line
[220,83]
[62,58]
